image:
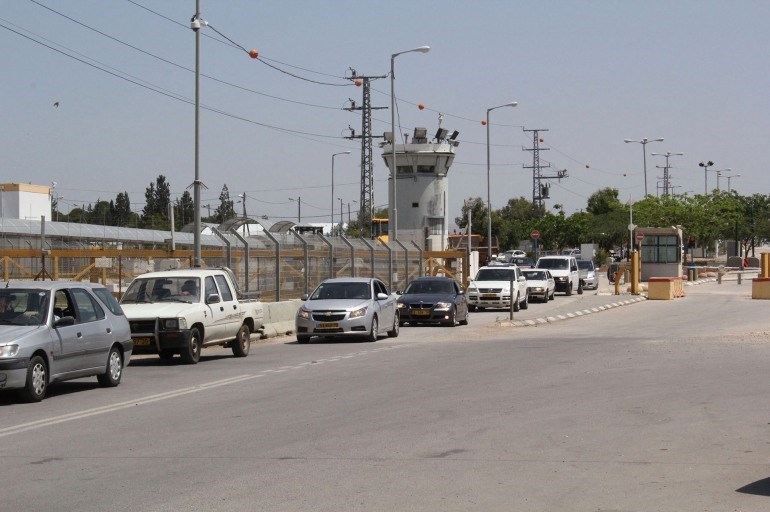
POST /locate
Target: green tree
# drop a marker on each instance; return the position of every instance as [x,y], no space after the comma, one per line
[226,208]
[603,201]
[184,210]
[122,213]
[478,210]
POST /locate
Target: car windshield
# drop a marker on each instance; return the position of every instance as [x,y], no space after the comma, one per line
[586,264]
[555,263]
[522,261]
[162,289]
[23,306]
[328,291]
[423,287]
[495,274]
[536,275]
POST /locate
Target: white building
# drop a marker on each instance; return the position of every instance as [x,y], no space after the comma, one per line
[25,201]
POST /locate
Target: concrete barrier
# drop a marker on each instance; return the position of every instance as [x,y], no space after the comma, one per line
[665,288]
[279,318]
[760,288]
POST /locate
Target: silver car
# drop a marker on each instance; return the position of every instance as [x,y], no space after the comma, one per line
[57,330]
[354,306]
[589,274]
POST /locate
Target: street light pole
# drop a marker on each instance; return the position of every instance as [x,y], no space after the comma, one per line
[644,143]
[706,166]
[332,209]
[393,208]
[719,175]
[489,188]
[728,180]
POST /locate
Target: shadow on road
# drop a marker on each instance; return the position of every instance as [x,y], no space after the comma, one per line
[758,488]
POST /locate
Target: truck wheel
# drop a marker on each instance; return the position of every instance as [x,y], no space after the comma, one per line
[471,307]
[516,305]
[525,304]
[37,380]
[580,287]
[569,288]
[302,338]
[111,377]
[242,342]
[191,354]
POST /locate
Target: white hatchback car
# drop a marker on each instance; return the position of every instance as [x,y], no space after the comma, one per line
[540,284]
[492,288]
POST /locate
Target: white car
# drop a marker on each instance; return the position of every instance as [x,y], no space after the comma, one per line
[565,273]
[492,288]
[588,274]
[540,284]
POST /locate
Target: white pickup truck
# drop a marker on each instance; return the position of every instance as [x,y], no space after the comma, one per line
[181,311]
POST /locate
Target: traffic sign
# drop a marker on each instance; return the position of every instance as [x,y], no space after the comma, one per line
[535,234]
[639,237]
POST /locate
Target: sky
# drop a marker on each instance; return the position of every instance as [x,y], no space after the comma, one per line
[98,96]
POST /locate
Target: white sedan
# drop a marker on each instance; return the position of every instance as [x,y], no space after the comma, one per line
[540,284]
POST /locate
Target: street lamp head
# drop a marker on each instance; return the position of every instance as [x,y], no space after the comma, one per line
[657,140]
[420,49]
[628,140]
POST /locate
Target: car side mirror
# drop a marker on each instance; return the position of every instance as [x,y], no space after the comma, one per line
[382,296]
[64,321]
[461,292]
[212,298]
[305,296]
[399,292]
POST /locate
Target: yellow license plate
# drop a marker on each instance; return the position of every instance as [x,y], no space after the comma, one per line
[142,341]
[421,312]
[328,325]
[489,296]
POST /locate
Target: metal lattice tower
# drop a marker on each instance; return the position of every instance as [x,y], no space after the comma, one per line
[366,199]
[540,191]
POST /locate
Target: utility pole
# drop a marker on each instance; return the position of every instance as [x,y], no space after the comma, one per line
[540,191]
[367,161]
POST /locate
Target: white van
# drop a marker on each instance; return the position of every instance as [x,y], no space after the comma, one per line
[565,272]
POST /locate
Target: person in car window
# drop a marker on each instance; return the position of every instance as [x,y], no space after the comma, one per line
[189,289]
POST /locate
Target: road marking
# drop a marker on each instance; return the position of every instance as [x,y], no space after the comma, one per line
[17,429]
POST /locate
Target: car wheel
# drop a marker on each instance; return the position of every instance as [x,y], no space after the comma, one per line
[471,308]
[569,288]
[166,354]
[302,338]
[375,328]
[525,304]
[37,380]
[111,377]
[547,296]
[516,305]
[464,321]
[242,342]
[580,287]
[393,333]
[191,354]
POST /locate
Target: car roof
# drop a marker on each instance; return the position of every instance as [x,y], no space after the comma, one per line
[51,285]
[432,278]
[349,280]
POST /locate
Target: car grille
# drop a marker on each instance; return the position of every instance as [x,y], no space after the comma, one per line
[490,290]
[420,306]
[142,326]
[328,316]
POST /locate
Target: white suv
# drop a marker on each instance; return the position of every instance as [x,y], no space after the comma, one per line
[565,272]
[492,288]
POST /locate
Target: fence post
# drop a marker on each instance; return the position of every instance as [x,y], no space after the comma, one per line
[328,242]
[277,264]
[371,250]
[390,262]
[246,257]
[352,255]
[228,251]
[419,252]
[406,263]
[306,265]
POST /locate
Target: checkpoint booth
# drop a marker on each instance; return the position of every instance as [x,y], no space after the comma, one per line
[660,252]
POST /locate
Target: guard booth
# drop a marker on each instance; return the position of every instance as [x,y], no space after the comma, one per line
[660,252]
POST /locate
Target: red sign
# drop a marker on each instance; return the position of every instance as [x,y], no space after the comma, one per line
[639,237]
[535,234]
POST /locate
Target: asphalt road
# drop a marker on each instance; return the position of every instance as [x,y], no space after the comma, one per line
[653,406]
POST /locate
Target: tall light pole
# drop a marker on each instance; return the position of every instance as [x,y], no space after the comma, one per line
[332,209]
[706,166]
[341,221]
[299,208]
[719,175]
[393,209]
[489,188]
[195,24]
[644,143]
[728,180]
[667,155]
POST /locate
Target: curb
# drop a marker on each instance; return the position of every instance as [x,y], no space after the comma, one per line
[567,316]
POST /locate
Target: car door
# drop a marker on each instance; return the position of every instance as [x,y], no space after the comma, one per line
[230,306]
[387,306]
[69,348]
[95,329]
[461,301]
[217,326]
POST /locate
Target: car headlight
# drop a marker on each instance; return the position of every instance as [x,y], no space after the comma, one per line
[173,324]
[358,313]
[303,313]
[401,305]
[9,350]
[538,288]
[443,305]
